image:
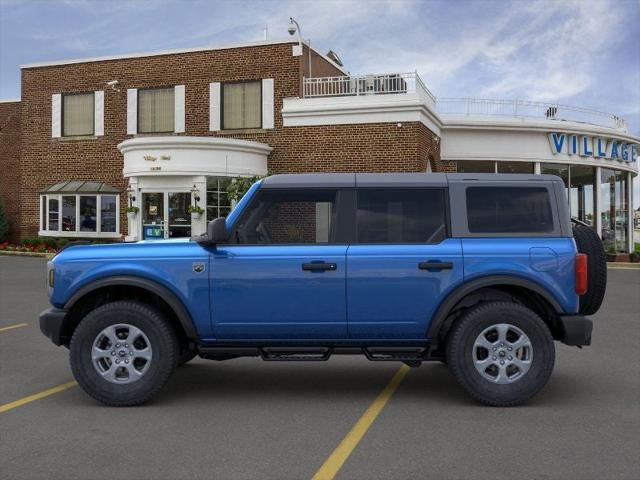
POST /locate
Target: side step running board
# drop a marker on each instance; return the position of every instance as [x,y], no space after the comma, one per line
[283,354]
[402,354]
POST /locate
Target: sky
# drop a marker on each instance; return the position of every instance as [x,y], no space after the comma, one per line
[583,53]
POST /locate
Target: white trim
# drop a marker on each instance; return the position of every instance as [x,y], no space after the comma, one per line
[56,115]
[268,103]
[179,100]
[171,52]
[47,233]
[132,111]
[98,112]
[391,108]
[77,233]
[9,100]
[214,107]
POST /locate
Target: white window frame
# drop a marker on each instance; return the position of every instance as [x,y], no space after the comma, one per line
[78,233]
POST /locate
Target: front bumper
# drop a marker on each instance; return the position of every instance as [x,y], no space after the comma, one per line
[53,325]
[576,330]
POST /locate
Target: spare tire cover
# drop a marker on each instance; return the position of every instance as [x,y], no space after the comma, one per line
[589,243]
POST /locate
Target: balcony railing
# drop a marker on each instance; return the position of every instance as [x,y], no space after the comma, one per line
[527,109]
[399,83]
[357,85]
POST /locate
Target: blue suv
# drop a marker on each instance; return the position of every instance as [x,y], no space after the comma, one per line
[481,272]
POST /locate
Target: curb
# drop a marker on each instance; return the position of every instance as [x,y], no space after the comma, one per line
[8,253]
[623,265]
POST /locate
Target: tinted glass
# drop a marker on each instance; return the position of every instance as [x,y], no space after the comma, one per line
[509,210]
[401,216]
[108,213]
[289,217]
[69,213]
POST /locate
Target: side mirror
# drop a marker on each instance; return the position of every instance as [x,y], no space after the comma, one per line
[217,231]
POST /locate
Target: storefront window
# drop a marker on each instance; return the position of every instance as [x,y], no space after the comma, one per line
[614,208]
[557,169]
[476,166]
[69,215]
[582,179]
[515,167]
[218,203]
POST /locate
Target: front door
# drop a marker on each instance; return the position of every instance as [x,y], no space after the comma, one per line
[164,215]
[284,276]
[402,263]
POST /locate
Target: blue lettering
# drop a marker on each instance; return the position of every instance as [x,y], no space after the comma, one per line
[624,153]
[558,141]
[614,149]
[574,145]
[634,153]
[601,152]
[586,147]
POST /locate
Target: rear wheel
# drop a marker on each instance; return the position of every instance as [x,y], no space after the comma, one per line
[501,353]
[588,242]
[123,353]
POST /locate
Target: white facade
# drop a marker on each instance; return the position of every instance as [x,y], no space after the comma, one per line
[172,167]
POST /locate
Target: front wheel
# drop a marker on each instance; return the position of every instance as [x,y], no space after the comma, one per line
[123,353]
[502,353]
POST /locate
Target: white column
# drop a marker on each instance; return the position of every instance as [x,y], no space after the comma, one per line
[134,224]
[598,202]
[630,212]
[536,168]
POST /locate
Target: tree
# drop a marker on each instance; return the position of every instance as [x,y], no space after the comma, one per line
[4,222]
[239,186]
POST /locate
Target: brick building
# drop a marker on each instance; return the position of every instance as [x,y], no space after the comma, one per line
[165,130]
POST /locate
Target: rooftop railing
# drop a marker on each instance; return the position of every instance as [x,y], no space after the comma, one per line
[528,109]
[357,85]
[399,83]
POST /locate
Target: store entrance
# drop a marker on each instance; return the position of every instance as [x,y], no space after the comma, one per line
[165,215]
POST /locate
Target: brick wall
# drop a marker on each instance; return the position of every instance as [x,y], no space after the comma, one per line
[340,148]
[10,161]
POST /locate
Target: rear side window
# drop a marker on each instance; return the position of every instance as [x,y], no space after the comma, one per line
[509,210]
[401,216]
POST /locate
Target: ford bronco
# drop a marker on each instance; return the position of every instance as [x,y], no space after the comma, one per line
[479,271]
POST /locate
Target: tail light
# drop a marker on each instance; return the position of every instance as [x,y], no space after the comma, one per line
[581,273]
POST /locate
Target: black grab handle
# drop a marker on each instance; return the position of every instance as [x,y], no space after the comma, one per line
[319,266]
[435,265]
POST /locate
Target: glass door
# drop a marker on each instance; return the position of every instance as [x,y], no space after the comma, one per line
[179,218]
[153,215]
[164,215]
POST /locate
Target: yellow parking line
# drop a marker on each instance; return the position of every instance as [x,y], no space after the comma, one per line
[36,396]
[11,327]
[334,463]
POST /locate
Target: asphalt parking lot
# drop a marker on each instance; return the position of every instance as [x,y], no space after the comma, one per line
[252,419]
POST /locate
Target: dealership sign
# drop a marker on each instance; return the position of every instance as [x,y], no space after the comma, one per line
[597,147]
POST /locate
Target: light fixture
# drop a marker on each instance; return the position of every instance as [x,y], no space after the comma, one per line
[194,192]
[132,198]
[294,27]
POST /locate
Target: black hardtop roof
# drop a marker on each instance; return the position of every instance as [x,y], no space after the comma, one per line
[346,180]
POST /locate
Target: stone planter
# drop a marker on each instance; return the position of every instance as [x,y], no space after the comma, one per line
[195,217]
[131,216]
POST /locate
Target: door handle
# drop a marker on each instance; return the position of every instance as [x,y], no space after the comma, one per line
[319,266]
[435,265]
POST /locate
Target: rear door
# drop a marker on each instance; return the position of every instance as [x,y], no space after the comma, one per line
[401,264]
[284,279]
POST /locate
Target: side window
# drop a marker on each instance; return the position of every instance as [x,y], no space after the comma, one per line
[281,217]
[509,210]
[401,216]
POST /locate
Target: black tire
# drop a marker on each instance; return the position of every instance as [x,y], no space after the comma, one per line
[164,347]
[588,242]
[186,356]
[460,351]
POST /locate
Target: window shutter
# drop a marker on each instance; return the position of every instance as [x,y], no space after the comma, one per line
[267,103]
[179,108]
[56,115]
[214,106]
[132,111]
[98,111]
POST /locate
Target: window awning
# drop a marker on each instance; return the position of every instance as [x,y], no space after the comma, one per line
[81,186]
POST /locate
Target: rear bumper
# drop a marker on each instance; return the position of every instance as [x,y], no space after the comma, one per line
[576,330]
[53,325]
